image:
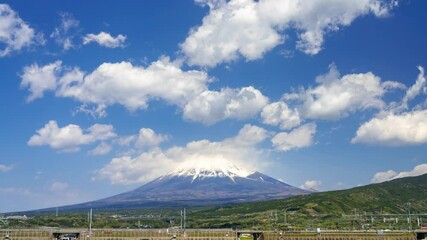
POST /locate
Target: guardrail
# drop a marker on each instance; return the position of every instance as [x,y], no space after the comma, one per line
[197,234]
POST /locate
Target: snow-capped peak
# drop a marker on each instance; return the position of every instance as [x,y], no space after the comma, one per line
[215,168]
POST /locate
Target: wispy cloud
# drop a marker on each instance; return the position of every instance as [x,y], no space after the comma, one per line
[105,39]
[5,168]
[67,32]
[15,33]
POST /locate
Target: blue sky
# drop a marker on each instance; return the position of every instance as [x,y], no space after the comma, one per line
[321,94]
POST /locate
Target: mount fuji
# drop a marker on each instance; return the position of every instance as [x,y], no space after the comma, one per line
[200,184]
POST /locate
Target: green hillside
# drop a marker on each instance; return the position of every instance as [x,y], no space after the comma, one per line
[329,209]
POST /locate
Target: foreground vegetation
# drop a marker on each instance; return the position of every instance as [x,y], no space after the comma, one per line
[364,208]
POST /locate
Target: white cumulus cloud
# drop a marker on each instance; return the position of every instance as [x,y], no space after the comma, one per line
[70,137]
[251,28]
[130,170]
[39,79]
[311,185]
[213,106]
[15,34]
[278,113]
[105,39]
[336,97]
[391,174]
[148,138]
[297,138]
[396,125]
[135,86]
[390,129]
[332,98]
[122,83]
[383,176]
[240,149]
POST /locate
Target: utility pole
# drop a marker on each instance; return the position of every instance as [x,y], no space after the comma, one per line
[181,218]
[275,218]
[409,216]
[286,215]
[184,219]
[90,223]
[56,212]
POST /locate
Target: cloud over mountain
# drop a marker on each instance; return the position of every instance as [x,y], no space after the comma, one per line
[240,149]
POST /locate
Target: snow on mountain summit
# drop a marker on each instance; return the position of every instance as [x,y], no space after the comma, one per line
[214,168]
[200,181]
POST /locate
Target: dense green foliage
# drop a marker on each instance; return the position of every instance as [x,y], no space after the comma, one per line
[328,209]
[357,208]
[387,197]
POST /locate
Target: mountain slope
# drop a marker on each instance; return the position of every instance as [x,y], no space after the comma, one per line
[200,185]
[387,197]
